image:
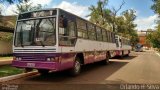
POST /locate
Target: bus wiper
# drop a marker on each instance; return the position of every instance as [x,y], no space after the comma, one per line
[21,37]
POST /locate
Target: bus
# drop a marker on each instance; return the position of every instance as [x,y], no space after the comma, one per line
[56,40]
[123,46]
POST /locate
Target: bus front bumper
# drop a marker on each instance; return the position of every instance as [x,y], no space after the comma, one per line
[36,65]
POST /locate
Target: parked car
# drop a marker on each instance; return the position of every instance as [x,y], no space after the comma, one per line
[138,48]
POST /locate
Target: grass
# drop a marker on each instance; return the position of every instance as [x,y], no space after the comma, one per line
[7,70]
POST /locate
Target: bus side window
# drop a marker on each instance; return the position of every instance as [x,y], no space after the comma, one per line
[67,31]
[82,29]
[99,34]
[109,36]
[63,24]
[114,38]
[104,34]
[91,31]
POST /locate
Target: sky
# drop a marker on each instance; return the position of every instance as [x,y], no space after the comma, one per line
[145,16]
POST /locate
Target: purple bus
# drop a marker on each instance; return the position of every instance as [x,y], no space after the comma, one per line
[56,40]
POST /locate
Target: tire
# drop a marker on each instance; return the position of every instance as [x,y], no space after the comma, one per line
[43,72]
[122,55]
[76,68]
[127,55]
[28,70]
[106,61]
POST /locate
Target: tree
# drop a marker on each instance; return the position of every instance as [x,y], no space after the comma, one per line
[130,16]
[156,6]
[103,16]
[126,26]
[26,6]
[114,16]
[99,13]
[154,37]
[10,1]
[108,18]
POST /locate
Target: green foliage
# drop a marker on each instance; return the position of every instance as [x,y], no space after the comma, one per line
[8,1]
[99,14]
[107,18]
[154,38]
[26,6]
[4,36]
[156,6]
[127,26]
[7,70]
[12,1]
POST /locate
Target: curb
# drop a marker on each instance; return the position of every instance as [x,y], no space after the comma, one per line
[5,62]
[158,53]
[8,78]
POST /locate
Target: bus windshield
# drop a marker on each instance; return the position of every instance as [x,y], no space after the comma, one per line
[36,32]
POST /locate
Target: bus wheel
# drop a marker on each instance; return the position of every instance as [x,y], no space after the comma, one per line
[127,55]
[106,61]
[43,72]
[76,68]
[28,70]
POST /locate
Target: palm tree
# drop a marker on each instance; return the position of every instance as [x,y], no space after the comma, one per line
[99,14]
[11,1]
[26,6]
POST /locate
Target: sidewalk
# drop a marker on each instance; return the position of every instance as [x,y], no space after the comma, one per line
[5,61]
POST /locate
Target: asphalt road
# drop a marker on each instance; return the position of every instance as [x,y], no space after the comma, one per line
[138,68]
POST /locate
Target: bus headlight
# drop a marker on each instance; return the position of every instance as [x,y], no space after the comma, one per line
[48,59]
[17,58]
[54,59]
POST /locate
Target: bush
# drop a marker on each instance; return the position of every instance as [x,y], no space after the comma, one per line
[5,36]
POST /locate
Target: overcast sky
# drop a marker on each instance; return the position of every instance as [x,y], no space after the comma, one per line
[145,16]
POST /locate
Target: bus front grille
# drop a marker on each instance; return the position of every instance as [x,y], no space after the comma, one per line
[34,50]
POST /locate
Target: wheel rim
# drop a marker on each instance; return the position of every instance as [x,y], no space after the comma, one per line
[77,66]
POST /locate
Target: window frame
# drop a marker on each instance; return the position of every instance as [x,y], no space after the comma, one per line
[99,34]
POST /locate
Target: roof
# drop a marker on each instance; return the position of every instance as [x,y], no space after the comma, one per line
[6,29]
[7,23]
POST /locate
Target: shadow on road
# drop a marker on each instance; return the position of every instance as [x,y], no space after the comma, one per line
[125,57]
[91,74]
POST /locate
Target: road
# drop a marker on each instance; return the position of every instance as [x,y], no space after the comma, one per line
[138,68]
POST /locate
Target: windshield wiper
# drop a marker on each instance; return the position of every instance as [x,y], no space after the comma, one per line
[37,32]
[42,43]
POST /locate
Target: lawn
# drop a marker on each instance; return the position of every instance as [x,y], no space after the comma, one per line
[7,70]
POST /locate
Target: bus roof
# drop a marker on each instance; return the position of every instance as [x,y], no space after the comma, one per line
[69,13]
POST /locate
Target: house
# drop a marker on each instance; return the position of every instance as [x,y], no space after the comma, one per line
[142,38]
[7,24]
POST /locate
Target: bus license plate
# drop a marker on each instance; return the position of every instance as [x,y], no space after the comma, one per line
[31,64]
